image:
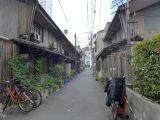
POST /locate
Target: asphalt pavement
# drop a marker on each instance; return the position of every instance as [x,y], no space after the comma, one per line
[81,99]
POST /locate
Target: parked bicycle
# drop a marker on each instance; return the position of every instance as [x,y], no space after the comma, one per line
[37,97]
[116,96]
[13,95]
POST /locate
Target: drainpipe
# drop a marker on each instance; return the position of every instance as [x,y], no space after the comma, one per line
[128,41]
[4,38]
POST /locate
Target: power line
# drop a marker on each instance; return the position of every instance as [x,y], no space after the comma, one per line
[87,16]
[94,15]
[104,4]
[99,13]
[91,14]
[64,14]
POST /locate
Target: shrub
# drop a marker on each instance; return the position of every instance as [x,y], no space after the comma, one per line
[56,73]
[146,67]
[46,82]
[72,73]
[103,81]
[18,69]
[97,77]
[37,80]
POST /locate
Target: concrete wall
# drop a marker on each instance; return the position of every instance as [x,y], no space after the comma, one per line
[143,108]
[68,69]
[101,73]
[99,42]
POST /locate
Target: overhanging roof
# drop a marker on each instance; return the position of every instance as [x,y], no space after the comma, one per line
[107,50]
[35,45]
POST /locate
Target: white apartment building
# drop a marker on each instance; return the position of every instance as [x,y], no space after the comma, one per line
[47,5]
[87,56]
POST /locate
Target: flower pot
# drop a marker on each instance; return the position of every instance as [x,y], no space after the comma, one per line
[65,81]
[43,95]
[1,108]
[50,90]
[47,93]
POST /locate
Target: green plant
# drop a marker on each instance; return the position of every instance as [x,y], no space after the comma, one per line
[103,81]
[56,73]
[72,73]
[146,67]
[56,70]
[18,69]
[38,80]
[97,77]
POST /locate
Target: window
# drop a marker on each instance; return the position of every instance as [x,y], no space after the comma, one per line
[38,29]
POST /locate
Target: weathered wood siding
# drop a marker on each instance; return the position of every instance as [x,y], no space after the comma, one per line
[15,17]
[9,50]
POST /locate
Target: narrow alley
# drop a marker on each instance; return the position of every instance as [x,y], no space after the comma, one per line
[82,99]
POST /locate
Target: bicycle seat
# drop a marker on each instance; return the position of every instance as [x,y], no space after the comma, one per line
[7,81]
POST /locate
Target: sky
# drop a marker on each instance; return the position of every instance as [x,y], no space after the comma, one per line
[76,14]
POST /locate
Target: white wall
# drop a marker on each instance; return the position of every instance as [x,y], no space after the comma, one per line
[68,69]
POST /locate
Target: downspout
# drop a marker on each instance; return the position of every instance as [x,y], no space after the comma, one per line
[32,20]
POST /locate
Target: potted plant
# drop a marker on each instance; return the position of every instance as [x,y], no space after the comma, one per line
[56,73]
[72,74]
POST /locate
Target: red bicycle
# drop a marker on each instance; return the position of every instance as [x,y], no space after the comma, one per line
[13,95]
[116,96]
[118,110]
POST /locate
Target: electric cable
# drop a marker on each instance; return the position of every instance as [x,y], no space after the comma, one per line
[64,15]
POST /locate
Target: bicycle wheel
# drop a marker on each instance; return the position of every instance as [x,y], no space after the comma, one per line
[25,101]
[37,97]
[114,111]
[6,101]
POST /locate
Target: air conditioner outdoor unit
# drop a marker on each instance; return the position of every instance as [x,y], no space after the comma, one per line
[35,37]
[24,36]
[52,45]
[62,51]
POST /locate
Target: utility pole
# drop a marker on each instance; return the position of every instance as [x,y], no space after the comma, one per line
[75,36]
[91,50]
[128,41]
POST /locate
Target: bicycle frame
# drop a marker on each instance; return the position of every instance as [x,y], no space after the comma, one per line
[13,93]
[114,109]
[123,109]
